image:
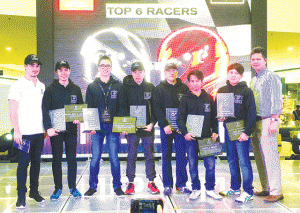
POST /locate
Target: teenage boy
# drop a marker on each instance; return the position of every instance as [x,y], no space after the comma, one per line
[167,97]
[198,102]
[238,150]
[139,93]
[106,94]
[62,92]
[267,89]
[25,107]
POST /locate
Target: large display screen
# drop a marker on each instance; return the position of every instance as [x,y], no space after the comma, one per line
[196,34]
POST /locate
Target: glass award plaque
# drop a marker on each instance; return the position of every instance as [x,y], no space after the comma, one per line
[208,147]
[235,129]
[58,119]
[74,112]
[225,105]
[90,119]
[139,112]
[124,124]
[24,146]
[194,124]
[171,115]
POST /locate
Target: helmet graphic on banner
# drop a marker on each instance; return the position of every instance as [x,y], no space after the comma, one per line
[121,46]
[196,48]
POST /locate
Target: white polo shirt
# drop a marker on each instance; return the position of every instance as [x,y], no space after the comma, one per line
[29,97]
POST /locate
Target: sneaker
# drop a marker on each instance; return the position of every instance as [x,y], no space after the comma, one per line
[153,188]
[75,192]
[37,197]
[213,194]
[130,189]
[21,202]
[90,192]
[244,197]
[230,192]
[56,194]
[167,191]
[119,192]
[195,194]
[184,190]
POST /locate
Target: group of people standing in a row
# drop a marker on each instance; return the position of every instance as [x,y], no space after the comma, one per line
[259,107]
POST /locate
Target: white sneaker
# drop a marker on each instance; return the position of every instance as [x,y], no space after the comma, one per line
[244,197]
[213,194]
[195,194]
[230,192]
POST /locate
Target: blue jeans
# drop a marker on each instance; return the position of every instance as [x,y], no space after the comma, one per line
[113,142]
[209,164]
[238,157]
[34,156]
[57,151]
[133,143]
[181,161]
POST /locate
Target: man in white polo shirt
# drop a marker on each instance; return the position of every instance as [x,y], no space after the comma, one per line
[25,106]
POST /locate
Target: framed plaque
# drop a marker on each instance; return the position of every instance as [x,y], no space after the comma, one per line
[194,124]
[74,112]
[139,112]
[24,146]
[235,129]
[225,105]
[208,147]
[171,115]
[124,124]
[90,119]
[58,119]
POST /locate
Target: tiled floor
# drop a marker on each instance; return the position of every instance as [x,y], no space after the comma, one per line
[106,201]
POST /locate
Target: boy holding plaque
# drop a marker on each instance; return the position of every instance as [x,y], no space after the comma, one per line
[62,92]
[106,94]
[139,103]
[25,101]
[166,101]
[198,102]
[237,132]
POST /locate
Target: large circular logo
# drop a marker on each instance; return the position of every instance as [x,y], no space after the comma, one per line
[196,48]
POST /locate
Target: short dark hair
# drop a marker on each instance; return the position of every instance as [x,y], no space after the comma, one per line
[259,50]
[170,66]
[238,67]
[104,57]
[196,73]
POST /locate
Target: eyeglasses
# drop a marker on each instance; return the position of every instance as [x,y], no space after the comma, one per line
[105,65]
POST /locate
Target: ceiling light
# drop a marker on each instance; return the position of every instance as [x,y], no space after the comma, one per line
[290,48]
[8,48]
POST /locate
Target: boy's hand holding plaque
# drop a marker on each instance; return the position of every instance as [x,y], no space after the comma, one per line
[194,125]
[139,112]
[90,119]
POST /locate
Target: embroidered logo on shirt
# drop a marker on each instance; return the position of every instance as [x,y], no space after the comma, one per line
[238,99]
[206,107]
[113,94]
[147,95]
[179,95]
[73,99]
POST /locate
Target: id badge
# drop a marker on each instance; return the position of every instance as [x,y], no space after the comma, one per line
[106,118]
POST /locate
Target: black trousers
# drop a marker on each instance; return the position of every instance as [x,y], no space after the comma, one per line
[57,151]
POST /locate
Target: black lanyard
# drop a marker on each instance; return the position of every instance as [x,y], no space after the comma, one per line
[105,95]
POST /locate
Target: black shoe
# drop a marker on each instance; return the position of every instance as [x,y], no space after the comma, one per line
[21,202]
[37,197]
[90,192]
[119,192]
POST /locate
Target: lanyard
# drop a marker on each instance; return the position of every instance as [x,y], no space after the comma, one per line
[105,95]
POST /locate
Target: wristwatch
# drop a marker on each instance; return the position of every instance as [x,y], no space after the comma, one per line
[274,119]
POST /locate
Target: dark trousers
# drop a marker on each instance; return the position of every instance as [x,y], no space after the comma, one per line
[34,156]
[133,143]
[57,151]
[181,161]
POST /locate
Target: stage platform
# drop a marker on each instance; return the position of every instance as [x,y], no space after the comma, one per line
[105,201]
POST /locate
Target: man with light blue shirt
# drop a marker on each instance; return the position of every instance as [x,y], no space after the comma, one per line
[267,89]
